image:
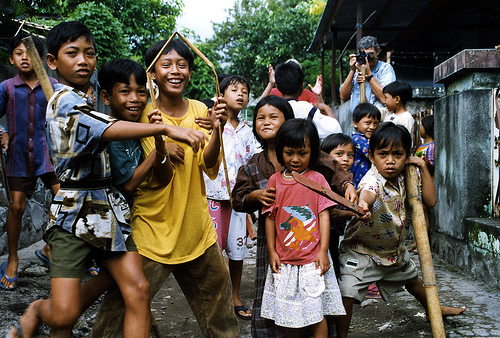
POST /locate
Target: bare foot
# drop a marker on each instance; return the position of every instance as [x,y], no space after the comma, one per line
[28,323]
[451,311]
[10,273]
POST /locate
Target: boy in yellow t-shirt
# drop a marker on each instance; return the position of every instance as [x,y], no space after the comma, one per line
[171,225]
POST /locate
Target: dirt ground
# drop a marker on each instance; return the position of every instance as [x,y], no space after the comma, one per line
[401,316]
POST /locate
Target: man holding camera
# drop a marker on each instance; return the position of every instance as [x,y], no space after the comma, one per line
[378,74]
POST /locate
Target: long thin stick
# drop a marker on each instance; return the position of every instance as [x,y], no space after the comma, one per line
[207,61]
[40,72]
[362,87]
[424,252]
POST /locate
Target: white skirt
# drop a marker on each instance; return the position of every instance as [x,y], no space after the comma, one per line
[298,296]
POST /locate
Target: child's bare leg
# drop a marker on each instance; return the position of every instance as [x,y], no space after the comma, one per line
[29,322]
[235,271]
[416,288]
[59,312]
[46,247]
[90,292]
[320,330]
[127,272]
[292,333]
[13,225]
[342,322]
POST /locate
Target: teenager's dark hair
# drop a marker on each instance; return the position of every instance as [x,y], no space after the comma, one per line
[293,134]
[233,79]
[180,47]
[67,32]
[365,109]
[428,124]
[388,134]
[208,102]
[401,89]
[120,70]
[17,40]
[221,77]
[332,141]
[277,102]
[289,77]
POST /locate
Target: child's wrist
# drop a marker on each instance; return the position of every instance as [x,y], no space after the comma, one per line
[165,156]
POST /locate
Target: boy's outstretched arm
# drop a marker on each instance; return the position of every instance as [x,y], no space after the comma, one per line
[140,173]
[125,130]
[366,200]
[220,114]
[429,197]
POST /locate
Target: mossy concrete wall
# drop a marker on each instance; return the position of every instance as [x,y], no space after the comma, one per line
[465,234]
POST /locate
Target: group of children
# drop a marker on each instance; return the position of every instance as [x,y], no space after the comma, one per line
[140,209]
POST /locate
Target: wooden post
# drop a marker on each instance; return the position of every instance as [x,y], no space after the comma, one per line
[359,23]
[362,87]
[334,62]
[424,251]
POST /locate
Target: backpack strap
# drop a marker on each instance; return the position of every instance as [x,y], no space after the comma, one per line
[311,113]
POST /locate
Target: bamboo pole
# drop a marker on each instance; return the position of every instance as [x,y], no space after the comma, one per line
[362,86]
[424,252]
[40,72]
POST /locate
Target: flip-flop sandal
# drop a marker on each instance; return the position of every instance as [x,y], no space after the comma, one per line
[45,260]
[243,308]
[10,280]
[93,269]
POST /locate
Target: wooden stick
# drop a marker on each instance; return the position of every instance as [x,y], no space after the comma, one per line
[40,72]
[424,251]
[362,86]
[326,192]
[207,61]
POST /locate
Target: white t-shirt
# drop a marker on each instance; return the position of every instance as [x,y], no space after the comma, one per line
[326,125]
[404,119]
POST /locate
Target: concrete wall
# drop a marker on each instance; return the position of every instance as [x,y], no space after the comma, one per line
[465,234]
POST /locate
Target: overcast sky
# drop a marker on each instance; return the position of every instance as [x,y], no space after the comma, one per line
[198,15]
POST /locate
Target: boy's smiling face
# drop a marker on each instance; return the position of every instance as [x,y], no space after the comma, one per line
[236,95]
[366,125]
[389,161]
[172,73]
[75,63]
[391,102]
[127,101]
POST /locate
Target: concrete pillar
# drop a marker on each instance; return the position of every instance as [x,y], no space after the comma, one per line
[465,234]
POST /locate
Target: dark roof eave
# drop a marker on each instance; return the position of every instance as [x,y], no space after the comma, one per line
[326,21]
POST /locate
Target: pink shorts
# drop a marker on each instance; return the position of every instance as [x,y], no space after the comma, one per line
[230,227]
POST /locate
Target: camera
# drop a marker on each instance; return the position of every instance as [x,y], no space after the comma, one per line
[361,57]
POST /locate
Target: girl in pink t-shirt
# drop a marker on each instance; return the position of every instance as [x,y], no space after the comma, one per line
[300,287]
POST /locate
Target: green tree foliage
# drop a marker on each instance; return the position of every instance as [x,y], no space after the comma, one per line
[202,83]
[258,33]
[140,22]
[110,40]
